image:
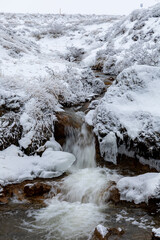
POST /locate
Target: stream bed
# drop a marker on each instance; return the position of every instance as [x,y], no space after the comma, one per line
[81,203]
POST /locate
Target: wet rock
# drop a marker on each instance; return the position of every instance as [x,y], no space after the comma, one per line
[103,233]
[114,195]
[100,233]
[4,200]
[64,120]
[36,189]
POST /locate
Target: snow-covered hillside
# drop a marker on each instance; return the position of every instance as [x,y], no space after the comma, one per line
[41,70]
[133,40]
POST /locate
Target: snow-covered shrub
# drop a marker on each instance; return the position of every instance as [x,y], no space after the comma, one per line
[54,31]
[74,54]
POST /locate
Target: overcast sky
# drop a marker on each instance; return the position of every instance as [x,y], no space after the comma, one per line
[73,6]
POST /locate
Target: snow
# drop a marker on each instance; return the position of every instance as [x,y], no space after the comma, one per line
[139,188]
[102,230]
[156,232]
[42,66]
[17,167]
[130,107]
[133,40]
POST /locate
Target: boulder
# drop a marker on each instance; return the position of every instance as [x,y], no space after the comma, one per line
[36,189]
[103,233]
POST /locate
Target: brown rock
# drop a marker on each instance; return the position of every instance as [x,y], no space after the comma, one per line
[97,235]
[4,200]
[18,194]
[114,195]
[115,231]
[36,189]
[65,120]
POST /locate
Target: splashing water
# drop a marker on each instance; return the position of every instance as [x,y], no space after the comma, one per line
[63,220]
[79,208]
[88,185]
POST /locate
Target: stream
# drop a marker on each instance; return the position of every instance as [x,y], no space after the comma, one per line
[80,203]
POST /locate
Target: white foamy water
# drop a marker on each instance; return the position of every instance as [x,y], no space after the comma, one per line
[79,208]
[63,220]
[81,143]
[88,185]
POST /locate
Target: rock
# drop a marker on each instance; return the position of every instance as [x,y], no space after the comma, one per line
[103,233]
[156,234]
[4,200]
[64,120]
[100,233]
[36,189]
[114,195]
[116,231]
[136,131]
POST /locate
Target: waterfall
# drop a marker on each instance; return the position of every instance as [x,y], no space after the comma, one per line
[81,142]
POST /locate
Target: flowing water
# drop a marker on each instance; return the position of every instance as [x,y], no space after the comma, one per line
[81,204]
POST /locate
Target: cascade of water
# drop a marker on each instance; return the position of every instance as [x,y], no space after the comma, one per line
[80,206]
[81,142]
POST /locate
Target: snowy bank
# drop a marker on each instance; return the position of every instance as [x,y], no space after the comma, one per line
[17,167]
[127,119]
[139,188]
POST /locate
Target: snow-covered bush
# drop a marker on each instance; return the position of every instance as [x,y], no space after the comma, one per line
[53,31]
[74,54]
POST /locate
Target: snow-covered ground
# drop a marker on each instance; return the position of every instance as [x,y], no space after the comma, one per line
[133,40]
[42,69]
